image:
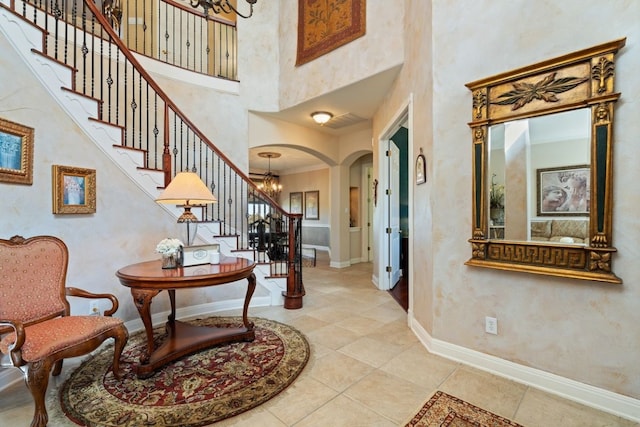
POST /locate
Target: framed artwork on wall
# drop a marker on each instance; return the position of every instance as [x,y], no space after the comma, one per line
[563,191]
[74,190]
[295,203]
[16,153]
[311,204]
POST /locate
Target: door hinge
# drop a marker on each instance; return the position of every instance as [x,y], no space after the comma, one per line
[389,270]
[388,230]
[387,153]
[387,191]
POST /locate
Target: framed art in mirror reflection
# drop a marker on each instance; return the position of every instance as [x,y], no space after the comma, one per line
[563,191]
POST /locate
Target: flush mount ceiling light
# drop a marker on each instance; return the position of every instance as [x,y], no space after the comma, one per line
[321,117]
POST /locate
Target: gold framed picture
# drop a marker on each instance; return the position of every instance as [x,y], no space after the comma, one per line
[312,204]
[16,153]
[74,190]
[563,191]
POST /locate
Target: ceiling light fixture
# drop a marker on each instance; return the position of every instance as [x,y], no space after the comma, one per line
[270,183]
[222,6]
[321,117]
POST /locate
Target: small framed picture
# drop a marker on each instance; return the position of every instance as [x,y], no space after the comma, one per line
[311,204]
[74,190]
[564,191]
[421,169]
[16,153]
[201,254]
[295,203]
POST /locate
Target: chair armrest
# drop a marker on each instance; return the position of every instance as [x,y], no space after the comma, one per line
[76,292]
[15,349]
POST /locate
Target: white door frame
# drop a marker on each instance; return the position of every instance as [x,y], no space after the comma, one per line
[404,116]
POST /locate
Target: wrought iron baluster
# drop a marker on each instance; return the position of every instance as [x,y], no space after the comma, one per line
[93,55]
[156,131]
[117,118]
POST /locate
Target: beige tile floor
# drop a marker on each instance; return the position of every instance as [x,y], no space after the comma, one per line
[367,368]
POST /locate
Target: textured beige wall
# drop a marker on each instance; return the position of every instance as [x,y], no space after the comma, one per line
[381,48]
[415,83]
[581,330]
[219,115]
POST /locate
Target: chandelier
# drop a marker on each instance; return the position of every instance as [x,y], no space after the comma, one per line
[270,184]
[222,6]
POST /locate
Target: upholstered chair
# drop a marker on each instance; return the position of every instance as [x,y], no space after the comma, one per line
[36,329]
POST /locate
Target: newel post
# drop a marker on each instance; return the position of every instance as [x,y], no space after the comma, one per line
[295,288]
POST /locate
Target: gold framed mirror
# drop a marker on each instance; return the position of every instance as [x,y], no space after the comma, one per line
[542,141]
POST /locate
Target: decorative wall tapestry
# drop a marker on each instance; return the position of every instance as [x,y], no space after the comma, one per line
[326,25]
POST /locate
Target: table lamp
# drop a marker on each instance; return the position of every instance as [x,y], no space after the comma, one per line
[187,189]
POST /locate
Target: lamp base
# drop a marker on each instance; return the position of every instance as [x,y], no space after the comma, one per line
[187,215]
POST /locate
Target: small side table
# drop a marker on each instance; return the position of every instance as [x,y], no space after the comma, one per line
[148,279]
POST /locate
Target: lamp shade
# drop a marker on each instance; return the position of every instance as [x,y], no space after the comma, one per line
[186,188]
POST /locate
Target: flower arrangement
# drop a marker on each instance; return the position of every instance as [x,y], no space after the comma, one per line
[169,246]
[496,195]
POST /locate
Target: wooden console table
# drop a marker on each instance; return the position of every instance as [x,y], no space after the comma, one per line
[148,279]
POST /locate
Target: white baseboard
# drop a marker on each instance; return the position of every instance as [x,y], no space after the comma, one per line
[598,398]
[340,264]
[375,281]
[9,377]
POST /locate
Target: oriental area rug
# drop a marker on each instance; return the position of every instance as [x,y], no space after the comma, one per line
[196,390]
[444,410]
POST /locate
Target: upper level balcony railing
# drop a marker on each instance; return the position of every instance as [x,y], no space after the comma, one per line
[178,34]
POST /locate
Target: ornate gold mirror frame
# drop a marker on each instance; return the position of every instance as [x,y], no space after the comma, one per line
[583,79]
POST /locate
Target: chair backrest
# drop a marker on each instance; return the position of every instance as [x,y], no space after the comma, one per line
[33,275]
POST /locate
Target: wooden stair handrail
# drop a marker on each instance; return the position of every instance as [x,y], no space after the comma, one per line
[169,103]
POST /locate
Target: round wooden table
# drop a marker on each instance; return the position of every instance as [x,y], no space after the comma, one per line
[148,279]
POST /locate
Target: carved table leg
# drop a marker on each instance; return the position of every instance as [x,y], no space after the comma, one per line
[250,289]
[172,299]
[142,299]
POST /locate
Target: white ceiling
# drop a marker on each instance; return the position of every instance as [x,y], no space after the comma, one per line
[353,108]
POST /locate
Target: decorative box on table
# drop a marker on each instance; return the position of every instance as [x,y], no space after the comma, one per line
[200,254]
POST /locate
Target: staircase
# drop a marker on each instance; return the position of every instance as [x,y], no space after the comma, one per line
[76,54]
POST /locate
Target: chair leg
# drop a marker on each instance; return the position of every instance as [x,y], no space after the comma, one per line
[57,368]
[120,339]
[37,380]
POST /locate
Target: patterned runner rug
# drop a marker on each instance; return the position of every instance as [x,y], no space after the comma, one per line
[444,410]
[196,390]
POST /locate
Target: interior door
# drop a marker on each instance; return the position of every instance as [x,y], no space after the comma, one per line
[393,228]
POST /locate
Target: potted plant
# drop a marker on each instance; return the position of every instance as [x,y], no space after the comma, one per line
[496,201]
[169,249]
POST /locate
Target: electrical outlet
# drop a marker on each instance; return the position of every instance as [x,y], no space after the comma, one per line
[94,308]
[491,325]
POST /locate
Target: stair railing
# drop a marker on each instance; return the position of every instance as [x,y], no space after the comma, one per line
[78,34]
